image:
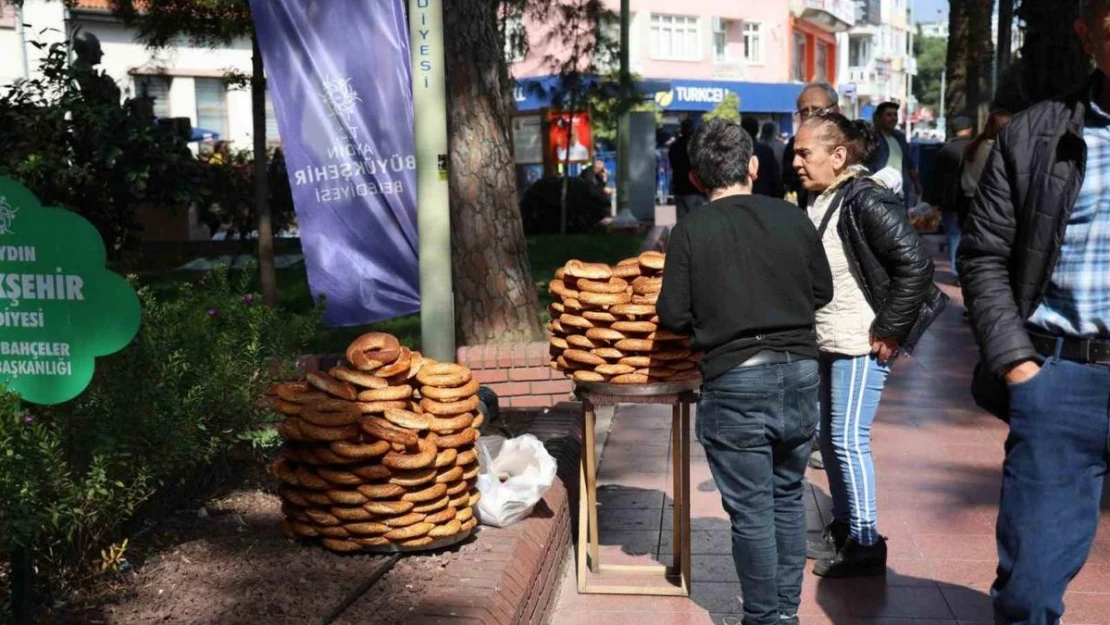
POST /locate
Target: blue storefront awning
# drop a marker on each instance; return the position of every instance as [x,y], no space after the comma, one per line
[677,95]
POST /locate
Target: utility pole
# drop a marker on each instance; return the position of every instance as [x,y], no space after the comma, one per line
[624,141]
[910,61]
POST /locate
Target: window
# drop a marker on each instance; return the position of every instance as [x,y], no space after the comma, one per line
[212,105]
[799,57]
[674,38]
[720,40]
[7,14]
[272,133]
[516,38]
[156,87]
[753,43]
[859,52]
[822,62]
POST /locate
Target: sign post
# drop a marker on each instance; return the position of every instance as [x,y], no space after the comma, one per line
[60,308]
[433,214]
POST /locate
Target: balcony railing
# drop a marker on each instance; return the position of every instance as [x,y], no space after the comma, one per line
[834,15]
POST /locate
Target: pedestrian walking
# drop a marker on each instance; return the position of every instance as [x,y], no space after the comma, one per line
[883,300]
[944,194]
[745,275]
[1035,262]
[687,198]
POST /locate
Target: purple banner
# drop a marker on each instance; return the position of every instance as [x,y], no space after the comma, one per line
[339,75]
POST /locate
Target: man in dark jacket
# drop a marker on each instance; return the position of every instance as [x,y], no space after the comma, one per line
[944,193]
[1035,264]
[745,275]
[686,195]
[814,98]
[769,181]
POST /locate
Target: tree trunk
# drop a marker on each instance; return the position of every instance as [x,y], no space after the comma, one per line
[267,273]
[1052,59]
[1005,37]
[970,55]
[495,297]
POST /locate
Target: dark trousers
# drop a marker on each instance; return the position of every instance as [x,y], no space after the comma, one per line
[1056,458]
[686,204]
[756,424]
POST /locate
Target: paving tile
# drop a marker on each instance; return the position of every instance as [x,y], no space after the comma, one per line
[968,603]
[880,601]
[980,547]
[718,597]
[1086,609]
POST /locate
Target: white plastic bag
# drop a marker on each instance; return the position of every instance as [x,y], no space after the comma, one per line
[515,475]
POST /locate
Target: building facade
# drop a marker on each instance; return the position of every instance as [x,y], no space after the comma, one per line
[183,80]
[876,58]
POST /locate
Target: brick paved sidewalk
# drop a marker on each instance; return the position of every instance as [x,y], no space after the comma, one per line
[938,466]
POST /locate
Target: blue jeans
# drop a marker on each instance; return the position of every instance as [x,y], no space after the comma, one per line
[850,392]
[951,221]
[1056,458]
[756,424]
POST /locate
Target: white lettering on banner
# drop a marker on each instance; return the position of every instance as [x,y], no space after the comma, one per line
[362,189]
[16,368]
[424,49]
[17,286]
[34,349]
[518,94]
[13,319]
[711,95]
[21,253]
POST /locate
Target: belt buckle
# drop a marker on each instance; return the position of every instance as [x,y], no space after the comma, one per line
[1091,346]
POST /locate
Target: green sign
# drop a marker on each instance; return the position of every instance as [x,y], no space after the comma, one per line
[60,308]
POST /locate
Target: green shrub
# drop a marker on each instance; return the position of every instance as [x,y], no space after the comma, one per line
[175,401]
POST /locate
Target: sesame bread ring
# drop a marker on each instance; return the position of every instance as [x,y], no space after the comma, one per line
[399,448]
[636,361]
[397,367]
[324,455]
[573,305]
[460,501]
[587,376]
[652,260]
[442,425]
[433,492]
[468,525]
[651,299]
[608,353]
[632,311]
[417,363]
[340,545]
[635,326]
[290,429]
[478,421]
[366,528]
[444,515]
[373,350]
[612,370]
[331,386]
[372,471]
[666,355]
[287,529]
[408,420]
[388,507]
[556,327]
[294,497]
[444,374]
[471,472]
[371,407]
[301,397]
[446,530]
[470,404]
[351,514]
[559,288]
[558,343]
[560,273]
[645,285]
[632,260]
[635,345]
[416,543]
[317,498]
[599,316]
[321,517]
[664,335]
[631,378]
[681,365]
[424,458]
[604,334]
[328,419]
[440,393]
[404,520]
[555,309]
[574,321]
[475,497]
[584,357]
[411,479]
[308,479]
[432,507]
[359,451]
[358,378]
[339,478]
[287,407]
[591,271]
[373,541]
[604,299]
[627,271]
[381,491]
[579,341]
[389,393]
[381,429]
[416,530]
[612,285]
[334,405]
[465,514]
[466,456]
[455,489]
[292,453]
[446,458]
[657,372]
[327,434]
[465,437]
[449,475]
[333,531]
[347,497]
[304,530]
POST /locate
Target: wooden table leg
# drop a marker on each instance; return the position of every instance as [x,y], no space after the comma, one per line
[676,497]
[583,510]
[685,429]
[591,485]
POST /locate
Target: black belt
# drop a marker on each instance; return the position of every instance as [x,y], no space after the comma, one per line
[1085,351]
[770,357]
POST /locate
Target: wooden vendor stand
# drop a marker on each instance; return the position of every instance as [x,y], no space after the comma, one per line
[678,395]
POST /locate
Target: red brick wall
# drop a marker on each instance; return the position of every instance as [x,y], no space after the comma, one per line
[520,374]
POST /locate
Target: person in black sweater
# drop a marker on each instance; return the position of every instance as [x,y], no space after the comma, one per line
[769,181]
[687,197]
[745,275]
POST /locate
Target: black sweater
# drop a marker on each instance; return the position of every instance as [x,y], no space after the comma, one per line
[744,274]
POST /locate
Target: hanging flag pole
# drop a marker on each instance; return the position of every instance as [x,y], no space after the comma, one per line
[433,217]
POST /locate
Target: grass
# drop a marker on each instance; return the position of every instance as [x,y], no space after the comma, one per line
[546,253]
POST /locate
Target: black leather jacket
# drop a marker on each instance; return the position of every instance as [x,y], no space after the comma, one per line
[890,262]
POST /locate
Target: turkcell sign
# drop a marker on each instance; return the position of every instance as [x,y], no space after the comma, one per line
[700,95]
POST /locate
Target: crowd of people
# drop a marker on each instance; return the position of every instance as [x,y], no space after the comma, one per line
[800,314]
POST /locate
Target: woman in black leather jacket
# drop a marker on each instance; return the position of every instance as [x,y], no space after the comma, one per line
[883,298]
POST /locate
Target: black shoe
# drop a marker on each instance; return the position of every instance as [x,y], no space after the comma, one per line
[855,560]
[832,541]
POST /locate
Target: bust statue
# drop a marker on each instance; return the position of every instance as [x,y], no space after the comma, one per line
[94,83]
